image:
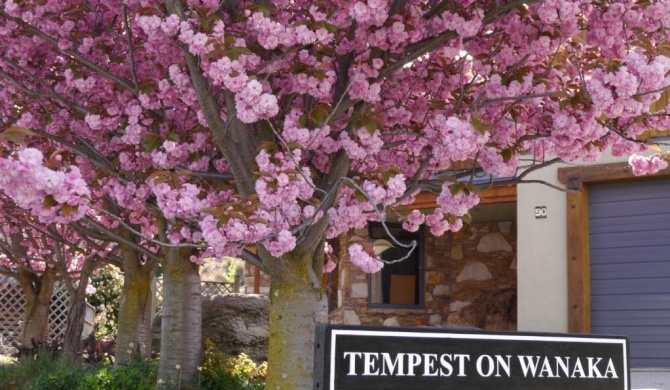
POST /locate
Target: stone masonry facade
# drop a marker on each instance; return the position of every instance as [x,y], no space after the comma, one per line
[470,280]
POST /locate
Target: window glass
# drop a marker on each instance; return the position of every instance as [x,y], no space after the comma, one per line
[398,284]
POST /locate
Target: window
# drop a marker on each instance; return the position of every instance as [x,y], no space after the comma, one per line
[398,284]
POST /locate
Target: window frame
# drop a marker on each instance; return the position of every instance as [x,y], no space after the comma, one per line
[421,274]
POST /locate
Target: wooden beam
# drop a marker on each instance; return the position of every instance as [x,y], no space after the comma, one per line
[257,280]
[579,270]
[605,173]
[428,200]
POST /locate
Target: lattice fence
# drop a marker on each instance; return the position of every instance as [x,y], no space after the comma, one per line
[207,289]
[12,305]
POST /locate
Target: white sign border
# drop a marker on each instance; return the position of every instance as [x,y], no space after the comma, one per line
[473,336]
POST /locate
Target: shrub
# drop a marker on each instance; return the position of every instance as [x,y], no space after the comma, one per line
[137,376]
[222,372]
[108,282]
[41,372]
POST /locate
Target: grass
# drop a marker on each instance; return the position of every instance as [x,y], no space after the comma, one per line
[218,372]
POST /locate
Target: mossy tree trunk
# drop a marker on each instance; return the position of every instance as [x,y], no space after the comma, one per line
[72,339]
[181,323]
[297,304]
[136,309]
[37,291]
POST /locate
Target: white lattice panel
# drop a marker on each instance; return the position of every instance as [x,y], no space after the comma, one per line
[12,305]
[60,301]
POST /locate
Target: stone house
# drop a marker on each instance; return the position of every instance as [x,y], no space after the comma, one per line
[592,258]
[466,278]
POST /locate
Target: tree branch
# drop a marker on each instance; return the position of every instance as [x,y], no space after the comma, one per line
[252,259]
[236,146]
[73,54]
[131,50]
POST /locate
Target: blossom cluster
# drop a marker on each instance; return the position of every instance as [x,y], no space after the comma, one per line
[52,196]
[647,165]
[365,260]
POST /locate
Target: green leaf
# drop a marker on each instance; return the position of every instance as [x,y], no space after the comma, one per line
[664,49]
[478,125]
[507,154]
[437,105]
[147,87]
[319,114]
[454,189]
[68,210]
[150,141]
[159,177]
[370,124]
[302,121]
[193,157]
[661,103]
[360,196]
[18,130]
[236,52]
[319,74]
[49,201]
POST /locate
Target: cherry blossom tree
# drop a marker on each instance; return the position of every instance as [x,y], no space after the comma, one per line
[282,123]
[38,256]
[25,264]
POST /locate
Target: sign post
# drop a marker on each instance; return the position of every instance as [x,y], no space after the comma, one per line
[375,358]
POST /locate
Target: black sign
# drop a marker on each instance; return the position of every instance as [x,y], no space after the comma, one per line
[370,358]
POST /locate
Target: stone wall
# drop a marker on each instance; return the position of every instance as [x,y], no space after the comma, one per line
[470,280]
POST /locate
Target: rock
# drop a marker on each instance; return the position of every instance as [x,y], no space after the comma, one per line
[434,277]
[235,323]
[474,271]
[351,318]
[427,297]
[492,310]
[392,321]
[457,252]
[430,261]
[458,305]
[359,290]
[435,319]
[493,242]
[442,290]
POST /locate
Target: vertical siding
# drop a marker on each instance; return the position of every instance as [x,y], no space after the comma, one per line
[630,266]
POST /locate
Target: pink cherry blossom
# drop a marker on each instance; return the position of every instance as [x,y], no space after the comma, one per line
[364,260]
[647,165]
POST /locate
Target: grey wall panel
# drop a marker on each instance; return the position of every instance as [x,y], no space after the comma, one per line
[629,237]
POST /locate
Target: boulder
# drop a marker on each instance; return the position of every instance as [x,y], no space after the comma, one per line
[236,324]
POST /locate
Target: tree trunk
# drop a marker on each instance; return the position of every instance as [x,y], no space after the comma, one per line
[297,304]
[72,340]
[181,324]
[135,311]
[38,292]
